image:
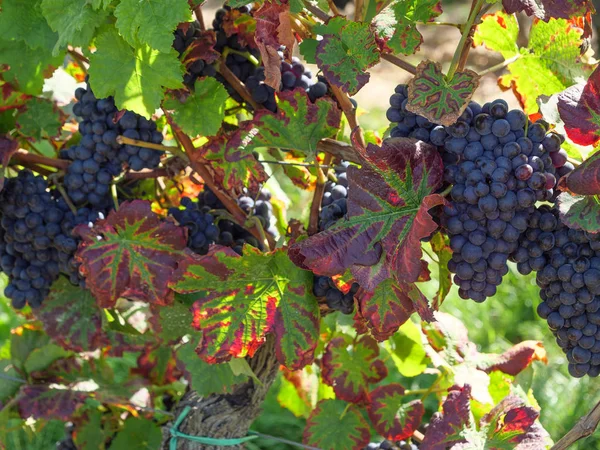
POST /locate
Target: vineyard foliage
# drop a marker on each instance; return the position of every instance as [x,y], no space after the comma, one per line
[149,254]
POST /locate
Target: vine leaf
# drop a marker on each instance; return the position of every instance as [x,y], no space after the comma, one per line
[40,120]
[240,300]
[388,203]
[27,67]
[432,95]
[42,402]
[138,434]
[393,417]
[397,25]
[445,429]
[349,369]
[549,64]
[298,125]
[234,166]
[11,99]
[336,425]
[23,20]
[74,21]
[203,47]
[346,51]
[546,9]
[151,21]
[8,147]
[61,315]
[407,350]
[172,323]
[136,77]
[442,249]
[203,111]
[514,360]
[579,108]
[157,363]
[207,378]
[130,254]
[581,212]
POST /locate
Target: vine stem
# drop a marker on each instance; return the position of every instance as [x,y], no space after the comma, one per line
[145,174]
[316,11]
[400,63]
[151,145]
[78,57]
[286,163]
[446,24]
[24,156]
[350,114]
[584,428]
[313,223]
[333,7]
[501,65]
[359,5]
[239,87]
[465,38]
[199,16]
[66,198]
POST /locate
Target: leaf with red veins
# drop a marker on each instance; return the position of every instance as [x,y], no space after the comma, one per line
[61,313]
[241,300]
[388,203]
[8,147]
[446,428]
[202,47]
[579,108]
[11,98]
[336,425]
[131,254]
[234,167]
[392,416]
[42,402]
[514,360]
[547,9]
[349,369]
[158,365]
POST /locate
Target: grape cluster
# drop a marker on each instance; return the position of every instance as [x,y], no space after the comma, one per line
[567,263]
[387,445]
[36,240]
[98,157]
[293,76]
[202,231]
[333,208]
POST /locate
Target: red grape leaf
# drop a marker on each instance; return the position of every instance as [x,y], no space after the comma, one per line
[514,360]
[132,254]
[581,212]
[235,167]
[385,309]
[11,98]
[349,369]
[240,300]
[61,316]
[202,47]
[393,417]
[432,95]
[241,24]
[546,9]
[42,402]
[579,108]
[336,425]
[158,364]
[8,147]
[446,428]
[388,203]
[273,30]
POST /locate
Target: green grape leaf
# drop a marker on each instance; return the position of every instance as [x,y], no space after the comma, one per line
[407,350]
[581,212]
[40,120]
[349,369]
[398,23]
[392,416]
[43,402]
[136,77]
[131,254]
[292,395]
[41,358]
[388,203]
[8,147]
[234,167]
[11,384]
[298,125]
[75,21]
[91,435]
[432,95]
[138,434]
[27,67]
[203,111]
[151,22]
[336,425]
[243,299]
[346,51]
[23,20]
[172,323]
[206,378]
[549,64]
[444,253]
[11,98]
[23,341]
